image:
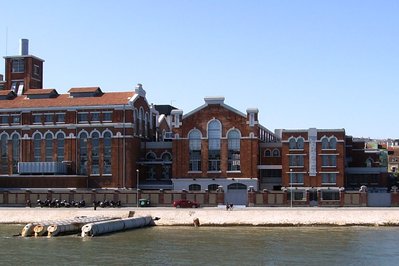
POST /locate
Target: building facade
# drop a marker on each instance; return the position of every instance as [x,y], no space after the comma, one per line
[88,139]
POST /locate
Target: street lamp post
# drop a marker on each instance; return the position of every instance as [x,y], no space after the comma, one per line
[137,184]
[291,185]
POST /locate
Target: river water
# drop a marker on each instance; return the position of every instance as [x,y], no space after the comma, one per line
[208,246]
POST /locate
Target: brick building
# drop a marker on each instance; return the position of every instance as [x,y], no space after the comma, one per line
[88,138]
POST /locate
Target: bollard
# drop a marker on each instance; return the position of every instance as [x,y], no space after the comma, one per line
[196,222]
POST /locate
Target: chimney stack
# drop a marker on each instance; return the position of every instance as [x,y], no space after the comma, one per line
[24,47]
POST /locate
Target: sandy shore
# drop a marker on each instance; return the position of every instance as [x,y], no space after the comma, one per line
[219,216]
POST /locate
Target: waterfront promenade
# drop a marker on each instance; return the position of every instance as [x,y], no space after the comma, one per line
[218,216]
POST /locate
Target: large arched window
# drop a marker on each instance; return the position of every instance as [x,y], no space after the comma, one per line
[195,150]
[141,118]
[15,152]
[48,143]
[214,135]
[4,153]
[324,143]
[234,150]
[95,153]
[146,121]
[37,143]
[300,143]
[136,122]
[107,153]
[83,153]
[333,143]
[292,143]
[60,146]
[166,167]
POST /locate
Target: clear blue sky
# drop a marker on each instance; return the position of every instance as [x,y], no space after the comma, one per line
[324,64]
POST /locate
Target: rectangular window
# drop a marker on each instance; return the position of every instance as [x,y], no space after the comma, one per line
[330,195]
[49,118]
[95,117]
[4,119]
[296,178]
[234,160]
[214,160]
[82,117]
[16,119]
[37,118]
[329,160]
[296,160]
[60,118]
[36,71]
[107,117]
[296,195]
[18,66]
[195,160]
[329,178]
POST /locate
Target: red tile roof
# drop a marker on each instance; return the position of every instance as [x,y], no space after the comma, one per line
[65,100]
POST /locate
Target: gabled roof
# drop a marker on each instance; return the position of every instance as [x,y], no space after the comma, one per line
[214,101]
[84,89]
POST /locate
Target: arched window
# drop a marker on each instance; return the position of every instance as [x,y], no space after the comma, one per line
[48,143]
[214,135]
[236,186]
[292,143]
[136,122]
[83,153]
[4,153]
[37,142]
[60,147]
[15,153]
[151,156]
[369,162]
[234,150]
[107,153]
[194,187]
[213,187]
[95,153]
[276,153]
[166,167]
[300,143]
[195,150]
[268,153]
[141,118]
[146,121]
[333,143]
[324,143]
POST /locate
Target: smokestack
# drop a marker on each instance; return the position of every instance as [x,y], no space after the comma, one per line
[24,46]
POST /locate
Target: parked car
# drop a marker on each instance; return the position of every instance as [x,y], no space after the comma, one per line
[185,204]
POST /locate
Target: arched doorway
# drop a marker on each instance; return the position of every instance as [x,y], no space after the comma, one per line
[236,194]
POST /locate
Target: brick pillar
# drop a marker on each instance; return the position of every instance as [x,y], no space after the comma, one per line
[50,194]
[93,195]
[341,198]
[307,198]
[220,196]
[161,196]
[206,197]
[285,198]
[251,198]
[265,197]
[363,199]
[184,194]
[5,197]
[319,198]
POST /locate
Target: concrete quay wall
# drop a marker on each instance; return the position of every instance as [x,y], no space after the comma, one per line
[218,216]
